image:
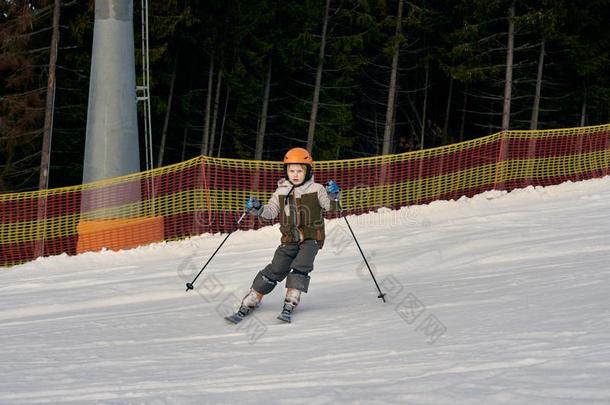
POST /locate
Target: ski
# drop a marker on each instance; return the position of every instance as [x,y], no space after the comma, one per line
[235,318]
[239,316]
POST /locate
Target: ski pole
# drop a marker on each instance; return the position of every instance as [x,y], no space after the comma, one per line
[189,286]
[381,295]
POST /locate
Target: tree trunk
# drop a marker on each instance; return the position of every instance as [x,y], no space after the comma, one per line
[224,117]
[316,92]
[260,136]
[448,109]
[508,83]
[376,133]
[50,102]
[208,108]
[214,120]
[423,116]
[184,139]
[536,107]
[416,118]
[45,161]
[531,148]
[167,114]
[463,121]
[389,116]
[583,111]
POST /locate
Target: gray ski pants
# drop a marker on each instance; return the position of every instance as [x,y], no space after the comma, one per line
[298,258]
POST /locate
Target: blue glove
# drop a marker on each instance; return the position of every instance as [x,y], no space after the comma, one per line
[253,205]
[332,188]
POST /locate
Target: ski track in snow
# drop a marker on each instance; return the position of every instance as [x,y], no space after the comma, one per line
[500,298]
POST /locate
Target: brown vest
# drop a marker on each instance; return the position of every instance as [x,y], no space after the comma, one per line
[308,223]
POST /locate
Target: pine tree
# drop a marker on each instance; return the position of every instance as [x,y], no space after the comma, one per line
[23,50]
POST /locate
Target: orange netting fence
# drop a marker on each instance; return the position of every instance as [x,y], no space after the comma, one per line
[207,194]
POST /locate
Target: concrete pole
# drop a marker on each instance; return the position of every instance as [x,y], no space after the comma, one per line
[111,147]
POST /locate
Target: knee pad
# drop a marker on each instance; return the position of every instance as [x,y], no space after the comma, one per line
[298,280]
[263,284]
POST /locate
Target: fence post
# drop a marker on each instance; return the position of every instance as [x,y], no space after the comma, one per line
[531,156]
[501,162]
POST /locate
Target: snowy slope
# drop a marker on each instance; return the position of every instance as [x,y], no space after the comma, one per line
[502,298]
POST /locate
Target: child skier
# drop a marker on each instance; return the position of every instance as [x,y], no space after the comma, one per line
[299,202]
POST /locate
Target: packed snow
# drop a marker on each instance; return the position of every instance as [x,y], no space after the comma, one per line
[499,298]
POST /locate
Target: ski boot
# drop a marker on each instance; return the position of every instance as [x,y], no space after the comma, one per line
[248,304]
[293,297]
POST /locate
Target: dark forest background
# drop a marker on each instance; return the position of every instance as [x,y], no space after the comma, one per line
[226,73]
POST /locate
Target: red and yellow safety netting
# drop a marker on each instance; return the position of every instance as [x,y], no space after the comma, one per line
[207,194]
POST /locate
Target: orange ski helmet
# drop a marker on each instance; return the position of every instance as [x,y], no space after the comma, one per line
[298,156]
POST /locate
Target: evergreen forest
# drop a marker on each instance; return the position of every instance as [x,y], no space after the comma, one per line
[348,78]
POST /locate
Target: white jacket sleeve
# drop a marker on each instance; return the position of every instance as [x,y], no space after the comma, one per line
[272,208]
[323,198]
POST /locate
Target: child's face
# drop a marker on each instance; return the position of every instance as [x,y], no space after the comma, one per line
[296,173]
